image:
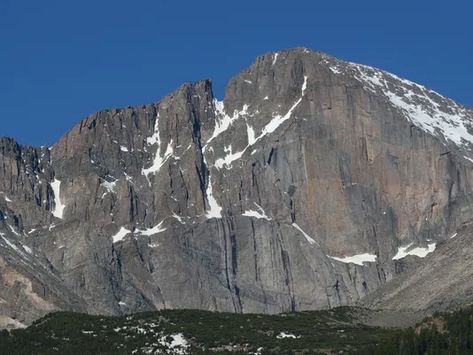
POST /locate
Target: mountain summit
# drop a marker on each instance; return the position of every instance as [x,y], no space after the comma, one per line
[313,184]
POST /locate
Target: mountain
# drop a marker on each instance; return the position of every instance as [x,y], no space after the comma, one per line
[314,183]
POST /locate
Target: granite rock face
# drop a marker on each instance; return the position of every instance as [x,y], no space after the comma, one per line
[293,193]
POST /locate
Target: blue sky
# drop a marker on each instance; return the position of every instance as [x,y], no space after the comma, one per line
[62,60]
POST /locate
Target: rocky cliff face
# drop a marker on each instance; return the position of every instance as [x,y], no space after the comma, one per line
[303,189]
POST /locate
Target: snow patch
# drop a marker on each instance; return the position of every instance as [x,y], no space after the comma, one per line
[358,259]
[226,121]
[256,214]
[122,233]
[110,185]
[402,252]
[178,218]
[426,109]
[335,70]
[285,335]
[229,158]
[214,210]
[304,85]
[152,231]
[158,160]
[251,134]
[128,177]
[279,120]
[175,343]
[58,210]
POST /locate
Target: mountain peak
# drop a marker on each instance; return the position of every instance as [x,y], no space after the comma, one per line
[310,186]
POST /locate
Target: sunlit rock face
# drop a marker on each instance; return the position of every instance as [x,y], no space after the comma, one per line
[307,187]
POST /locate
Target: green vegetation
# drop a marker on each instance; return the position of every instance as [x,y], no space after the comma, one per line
[443,333]
[199,332]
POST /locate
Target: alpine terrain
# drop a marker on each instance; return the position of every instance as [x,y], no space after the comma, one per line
[315,183]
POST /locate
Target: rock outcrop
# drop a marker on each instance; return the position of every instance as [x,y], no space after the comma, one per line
[293,193]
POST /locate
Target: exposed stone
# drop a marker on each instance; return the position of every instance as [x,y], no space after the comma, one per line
[238,205]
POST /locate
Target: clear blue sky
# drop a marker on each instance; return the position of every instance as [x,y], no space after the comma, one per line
[61,60]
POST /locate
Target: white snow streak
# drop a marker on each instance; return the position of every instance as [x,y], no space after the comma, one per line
[335,70]
[15,248]
[58,210]
[152,231]
[251,134]
[402,252]
[229,158]
[110,185]
[428,110]
[256,214]
[226,121]
[306,236]
[269,128]
[278,120]
[159,160]
[284,335]
[214,210]
[10,244]
[13,230]
[178,218]
[358,259]
[122,233]
[304,85]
